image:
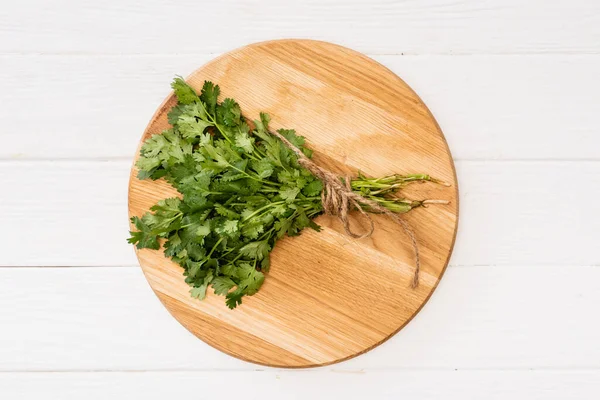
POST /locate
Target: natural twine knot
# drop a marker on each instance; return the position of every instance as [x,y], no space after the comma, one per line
[338,199]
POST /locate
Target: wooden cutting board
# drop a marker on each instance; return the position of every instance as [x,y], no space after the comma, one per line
[327,297]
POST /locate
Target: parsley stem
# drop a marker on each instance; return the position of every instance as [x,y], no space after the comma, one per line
[214,121]
[223,133]
[259,152]
[391,182]
[250,176]
[267,233]
[236,257]
[262,209]
[214,247]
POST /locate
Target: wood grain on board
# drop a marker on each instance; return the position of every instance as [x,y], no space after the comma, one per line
[327,297]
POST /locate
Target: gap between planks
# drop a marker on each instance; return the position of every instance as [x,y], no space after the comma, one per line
[536,53]
[339,370]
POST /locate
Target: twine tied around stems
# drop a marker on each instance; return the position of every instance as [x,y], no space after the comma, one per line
[338,199]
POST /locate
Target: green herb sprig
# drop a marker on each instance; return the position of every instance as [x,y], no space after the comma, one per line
[241,190]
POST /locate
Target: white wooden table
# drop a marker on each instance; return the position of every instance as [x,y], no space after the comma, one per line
[514,85]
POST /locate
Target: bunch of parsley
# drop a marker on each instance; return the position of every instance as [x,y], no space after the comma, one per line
[241,190]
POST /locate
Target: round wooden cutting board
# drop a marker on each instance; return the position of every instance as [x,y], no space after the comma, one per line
[327,297]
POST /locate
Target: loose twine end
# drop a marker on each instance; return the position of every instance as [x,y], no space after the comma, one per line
[338,199]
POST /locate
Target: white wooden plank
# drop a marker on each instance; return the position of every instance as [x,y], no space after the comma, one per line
[510,107]
[531,213]
[94,319]
[57,213]
[265,385]
[511,213]
[500,107]
[431,26]
[82,107]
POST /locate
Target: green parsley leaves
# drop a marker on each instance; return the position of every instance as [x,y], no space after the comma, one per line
[241,190]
